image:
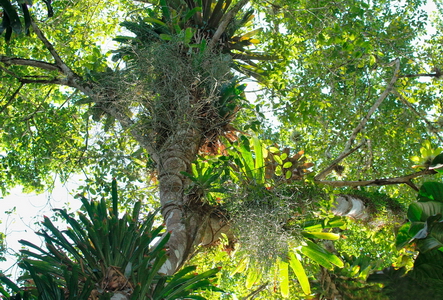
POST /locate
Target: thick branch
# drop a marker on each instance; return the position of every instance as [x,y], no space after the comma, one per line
[227,18]
[379,182]
[361,125]
[29,62]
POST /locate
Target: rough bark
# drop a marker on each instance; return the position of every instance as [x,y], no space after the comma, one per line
[188,219]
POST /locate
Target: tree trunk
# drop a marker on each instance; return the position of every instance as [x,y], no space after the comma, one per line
[188,219]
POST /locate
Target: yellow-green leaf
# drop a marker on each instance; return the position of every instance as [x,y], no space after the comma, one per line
[241,266]
[288,174]
[274,150]
[278,159]
[278,171]
[253,277]
[299,271]
[321,235]
[287,165]
[283,268]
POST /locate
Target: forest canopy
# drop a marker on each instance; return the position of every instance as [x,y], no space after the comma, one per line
[294,144]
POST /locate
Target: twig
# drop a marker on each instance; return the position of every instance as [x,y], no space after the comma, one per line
[342,155]
[255,292]
[379,182]
[38,107]
[437,74]
[11,98]
[347,150]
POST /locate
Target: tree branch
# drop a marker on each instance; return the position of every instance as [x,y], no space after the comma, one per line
[29,62]
[72,80]
[256,291]
[342,156]
[438,73]
[379,182]
[43,81]
[375,106]
[347,150]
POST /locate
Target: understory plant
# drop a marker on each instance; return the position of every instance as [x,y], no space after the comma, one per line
[102,256]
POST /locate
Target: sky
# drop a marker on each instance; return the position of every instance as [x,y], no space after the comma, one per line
[20,213]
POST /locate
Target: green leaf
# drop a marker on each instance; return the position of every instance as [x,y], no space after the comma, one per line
[259,160]
[300,273]
[431,191]
[165,37]
[189,33]
[421,211]
[13,17]
[321,255]
[403,237]
[321,235]
[288,174]
[274,150]
[278,159]
[252,277]
[114,197]
[437,163]
[428,244]
[283,268]
[287,165]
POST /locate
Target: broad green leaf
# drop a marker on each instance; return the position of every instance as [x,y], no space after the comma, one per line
[437,163]
[189,33]
[288,174]
[278,171]
[421,211]
[300,273]
[428,244]
[14,19]
[403,237]
[431,191]
[166,37]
